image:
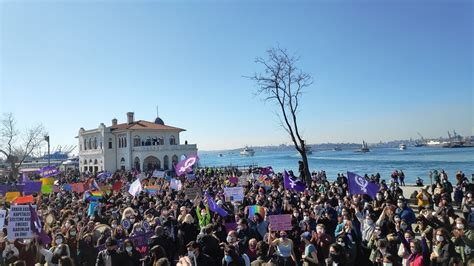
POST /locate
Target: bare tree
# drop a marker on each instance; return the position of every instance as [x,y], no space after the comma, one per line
[16,146]
[283,82]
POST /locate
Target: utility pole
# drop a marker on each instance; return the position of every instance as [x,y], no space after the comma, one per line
[49,155]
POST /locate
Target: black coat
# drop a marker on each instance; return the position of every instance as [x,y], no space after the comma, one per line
[130,260]
[104,254]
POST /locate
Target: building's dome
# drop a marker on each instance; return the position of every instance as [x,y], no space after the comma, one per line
[159,121]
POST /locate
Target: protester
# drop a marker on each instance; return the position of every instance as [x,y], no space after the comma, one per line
[331,224]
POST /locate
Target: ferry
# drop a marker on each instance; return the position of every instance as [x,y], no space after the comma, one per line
[308,150]
[247,152]
[364,148]
[336,149]
[402,147]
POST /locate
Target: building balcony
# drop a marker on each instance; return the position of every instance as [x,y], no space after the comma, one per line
[165,148]
[90,152]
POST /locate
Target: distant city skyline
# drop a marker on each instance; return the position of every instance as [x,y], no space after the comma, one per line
[382,70]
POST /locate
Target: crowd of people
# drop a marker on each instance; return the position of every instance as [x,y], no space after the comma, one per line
[166,226]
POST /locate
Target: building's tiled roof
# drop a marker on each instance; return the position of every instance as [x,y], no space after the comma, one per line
[145,125]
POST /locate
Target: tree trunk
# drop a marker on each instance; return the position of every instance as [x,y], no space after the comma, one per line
[307,174]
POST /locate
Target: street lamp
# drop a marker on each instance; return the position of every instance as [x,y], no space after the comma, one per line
[46,138]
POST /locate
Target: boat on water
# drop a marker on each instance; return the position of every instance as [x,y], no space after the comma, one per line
[364,148]
[402,147]
[220,154]
[336,149]
[247,152]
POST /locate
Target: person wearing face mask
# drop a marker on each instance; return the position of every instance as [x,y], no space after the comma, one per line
[72,242]
[368,227]
[336,256]
[244,233]
[231,257]
[109,256]
[87,254]
[58,249]
[284,248]
[196,257]
[203,215]
[130,256]
[322,242]
[463,240]
[442,248]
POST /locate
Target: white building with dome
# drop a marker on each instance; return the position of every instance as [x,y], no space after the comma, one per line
[140,145]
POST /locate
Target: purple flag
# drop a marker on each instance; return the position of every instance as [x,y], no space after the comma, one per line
[360,185]
[37,228]
[291,184]
[214,207]
[185,166]
[31,187]
[48,171]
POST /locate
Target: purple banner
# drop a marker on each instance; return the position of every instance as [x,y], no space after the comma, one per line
[11,188]
[48,171]
[31,187]
[186,165]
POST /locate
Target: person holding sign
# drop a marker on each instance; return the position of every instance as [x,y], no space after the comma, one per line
[284,247]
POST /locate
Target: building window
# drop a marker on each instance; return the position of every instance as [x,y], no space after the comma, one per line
[110,143]
[136,141]
[172,140]
[101,144]
[161,140]
[148,141]
[90,144]
[95,143]
[125,142]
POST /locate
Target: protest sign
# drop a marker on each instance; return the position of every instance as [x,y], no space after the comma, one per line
[192,192]
[280,222]
[234,193]
[3,214]
[48,171]
[19,222]
[159,174]
[11,196]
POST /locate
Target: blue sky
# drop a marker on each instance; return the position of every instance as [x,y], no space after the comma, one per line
[382,69]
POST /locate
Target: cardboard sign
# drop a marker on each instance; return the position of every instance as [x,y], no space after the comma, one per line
[192,192]
[11,196]
[243,181]
[234,194]
[159,174]
[19,222]
[280,222]
[3,214]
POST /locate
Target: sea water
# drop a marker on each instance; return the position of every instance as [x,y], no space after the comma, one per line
[415,161]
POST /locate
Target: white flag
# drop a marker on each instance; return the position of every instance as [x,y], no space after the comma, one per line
[175,184]
[135,187]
